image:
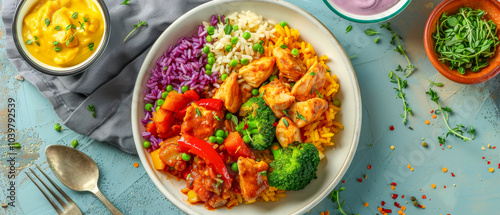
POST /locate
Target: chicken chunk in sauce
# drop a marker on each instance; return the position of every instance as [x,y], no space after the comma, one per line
[230,93]
[256,72]
[311,83]
[246,92]
[303,113]
[277,96]
[290,67]
[171,155]
[203,124]
[287,132]
[252,181]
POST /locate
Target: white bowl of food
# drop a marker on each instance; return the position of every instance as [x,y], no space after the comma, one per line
[367,11]
[205,114]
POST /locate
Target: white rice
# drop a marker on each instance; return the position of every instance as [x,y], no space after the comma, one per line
[259,29]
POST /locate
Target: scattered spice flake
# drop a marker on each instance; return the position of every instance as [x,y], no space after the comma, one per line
[491,169]
[409,166]
[449,146]
[365,204]
[411,169]
[422,206]
[19,77]
[382,203]
[433,186]
[403,196]
[445,169]
[489,162]
[424,197]
[394,184]
[444,186]
[325,213]
[275,124]
[489,146]
[394,196]
[432,111]
[365,176]
[360,180]
[494,147]
[498,165]
[343,182]
[434,116]
[136,164]
[391,128]
[427,122]
[482,147]
[400,212]
[403,208]
[452,175]
[483,158]
[369,167]
[393,187]
[392,147]
[397,205]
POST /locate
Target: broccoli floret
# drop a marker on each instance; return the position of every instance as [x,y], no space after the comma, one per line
[294,166]
[258,123]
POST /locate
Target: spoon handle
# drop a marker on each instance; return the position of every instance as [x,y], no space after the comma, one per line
[108,204]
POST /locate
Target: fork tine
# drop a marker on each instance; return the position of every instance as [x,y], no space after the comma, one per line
[55,185]
[63,204]
[45,194]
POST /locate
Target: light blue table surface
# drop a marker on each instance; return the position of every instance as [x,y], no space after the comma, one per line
[473,190]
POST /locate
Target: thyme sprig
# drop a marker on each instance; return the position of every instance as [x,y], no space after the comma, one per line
[401,85]
[336,199]
[141,23]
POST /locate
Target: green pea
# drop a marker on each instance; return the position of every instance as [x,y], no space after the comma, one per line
[233,63]
[272,77]
[223,77]
[235,27]
[246,139]
[228,48]
[256,47]
[295,52]
[261,49]
[164,95]
[169,88]
[234,40]
[283,24]
[244,61]
[255,92]
[148,106]
[209,39]
[208,67]
[206,49]
[336,102]
[234,167]
[247,35]
[220,140]
[186,157]
[146,144]
[157,108]
[159,102]
[229,116]
[211,60]
[210,30]
[219,133]
[212,139]
[184,88]
[209,72]
[211,54]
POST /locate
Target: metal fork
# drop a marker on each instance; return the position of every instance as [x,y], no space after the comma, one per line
[67,208]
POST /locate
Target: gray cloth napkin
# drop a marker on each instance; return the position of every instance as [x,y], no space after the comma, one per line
[109,83]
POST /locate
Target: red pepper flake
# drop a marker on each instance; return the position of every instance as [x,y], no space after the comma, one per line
[424,197]
[382,203]
[483,158]
[397,205]
[442,145]
[369,167]
[360,180]
[394,184]
[391,128]
[394,196]
[498,165]
[420,206]
[444,186]
[403,196]
[452,175]
[386,210]
[275,124]
[432,111]
[245,126]
[494,147]
[343,182]
[489,162]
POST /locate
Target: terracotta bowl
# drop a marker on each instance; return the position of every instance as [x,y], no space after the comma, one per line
[492,8]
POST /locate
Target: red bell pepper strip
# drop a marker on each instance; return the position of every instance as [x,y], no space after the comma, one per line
[202,149]
[191,94]
[211,104]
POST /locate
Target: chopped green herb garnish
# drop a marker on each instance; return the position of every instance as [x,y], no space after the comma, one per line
[141,23]
[349,28]
[217,118]
[285,122]
[284,46]
[91,109]
[376,40]
[401,85]
[370,32]
[57,49]
[312,73]
[299,116]
[55,43]
[29,42]
[229,28]
[335,197]
[75,15]
[57,28]
[16,145]
[47,22]
[198,112]
[126,2]
[91,46]
[286,112]
[165,68]
[319,94]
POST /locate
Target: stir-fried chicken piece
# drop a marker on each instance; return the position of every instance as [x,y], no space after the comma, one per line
[252,182]
[287,132]
[200,125]
[246,92]
[171,155]
[257,71]
[311,83]
[229,92]
[290,67]
[303,113]
[277,96]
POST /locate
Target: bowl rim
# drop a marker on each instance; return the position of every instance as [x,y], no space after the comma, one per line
[432,55]
[155,48]
[368,19]
[79,68]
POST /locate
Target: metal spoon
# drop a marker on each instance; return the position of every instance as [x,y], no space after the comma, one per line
[77,171]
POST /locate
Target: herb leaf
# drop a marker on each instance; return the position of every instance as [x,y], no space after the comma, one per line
[126,2]
[57,28]
[312,73]
[141,23]
[349,28]
[370,32]
[91,46]
[284,46]
[75,15]
[299,116]
[401,85]
[29,42]
[285,122]
[376,40]
[228,28]
[47,22]
[198,112]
